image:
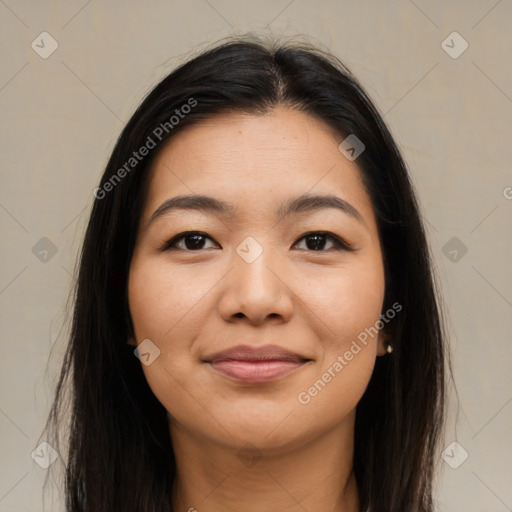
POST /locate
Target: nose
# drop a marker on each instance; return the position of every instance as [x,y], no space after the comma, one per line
[256,291]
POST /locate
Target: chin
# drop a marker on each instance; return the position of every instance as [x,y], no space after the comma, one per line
[272,432]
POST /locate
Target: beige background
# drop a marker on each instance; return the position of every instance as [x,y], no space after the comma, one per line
[451,117]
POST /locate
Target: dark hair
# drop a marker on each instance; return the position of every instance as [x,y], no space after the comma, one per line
[119,456]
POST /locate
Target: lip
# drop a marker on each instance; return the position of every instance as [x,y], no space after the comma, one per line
[256,365]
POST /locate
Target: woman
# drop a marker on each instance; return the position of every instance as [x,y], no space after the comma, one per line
[256,325]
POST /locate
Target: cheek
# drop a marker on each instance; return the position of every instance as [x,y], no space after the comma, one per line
[164,306]
[337,308]
[163,300]
[169,306]
[348,302]
[345,309]
[162,315]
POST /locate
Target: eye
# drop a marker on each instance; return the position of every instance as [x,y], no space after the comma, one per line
[188,241]
[316,241]
[196,240]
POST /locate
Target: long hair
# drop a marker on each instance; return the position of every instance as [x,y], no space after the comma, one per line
[119,455]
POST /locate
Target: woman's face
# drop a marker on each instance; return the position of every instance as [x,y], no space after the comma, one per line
[252,278]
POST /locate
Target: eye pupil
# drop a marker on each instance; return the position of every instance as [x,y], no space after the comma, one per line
[318,242]
[198,241]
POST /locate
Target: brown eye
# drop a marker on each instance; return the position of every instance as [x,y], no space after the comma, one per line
[317,240]
[188,241]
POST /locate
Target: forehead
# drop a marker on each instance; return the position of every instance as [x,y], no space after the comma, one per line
[255,161]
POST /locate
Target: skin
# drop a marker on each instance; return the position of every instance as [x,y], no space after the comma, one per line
[193,302]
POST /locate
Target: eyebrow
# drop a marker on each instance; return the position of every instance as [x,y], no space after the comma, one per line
[302,204]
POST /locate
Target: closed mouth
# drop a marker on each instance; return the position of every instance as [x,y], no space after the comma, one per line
[256,366]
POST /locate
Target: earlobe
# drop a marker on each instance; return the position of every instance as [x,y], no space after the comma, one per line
[384,345]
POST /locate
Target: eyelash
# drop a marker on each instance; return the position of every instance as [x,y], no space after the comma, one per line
[341,245]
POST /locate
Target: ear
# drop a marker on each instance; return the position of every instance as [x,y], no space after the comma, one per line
[383,341]
[131,341]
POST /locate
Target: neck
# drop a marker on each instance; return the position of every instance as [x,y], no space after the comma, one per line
[315,476]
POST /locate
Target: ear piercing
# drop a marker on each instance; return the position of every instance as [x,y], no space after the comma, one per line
[389,349]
